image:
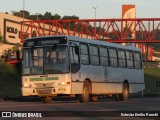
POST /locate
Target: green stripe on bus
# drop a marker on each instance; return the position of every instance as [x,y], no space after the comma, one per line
[44,79]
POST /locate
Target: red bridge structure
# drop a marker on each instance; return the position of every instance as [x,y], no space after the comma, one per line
[139,30]
[145,30]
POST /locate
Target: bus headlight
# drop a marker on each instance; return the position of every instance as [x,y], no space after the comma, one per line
[25,85]
[63,83]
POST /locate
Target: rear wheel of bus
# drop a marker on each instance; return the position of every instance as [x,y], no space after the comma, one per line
[125,92]
[85,96]
[124,95]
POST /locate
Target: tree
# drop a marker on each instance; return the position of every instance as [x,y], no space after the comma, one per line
[56,17]
[156,33]
[16,13]
[127,33]
[115,35]
[47,16]
[141,35]
[73,17]
[20,14]
[72,24]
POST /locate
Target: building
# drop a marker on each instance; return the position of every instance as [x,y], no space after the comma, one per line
[9,30]
[10,27]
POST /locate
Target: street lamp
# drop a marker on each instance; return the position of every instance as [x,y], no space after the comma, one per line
[95,8]
[23,13]
[37,16]
[23,8]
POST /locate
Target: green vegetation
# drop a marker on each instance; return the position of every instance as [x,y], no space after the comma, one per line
[45,16]
[152,75]
[10,81]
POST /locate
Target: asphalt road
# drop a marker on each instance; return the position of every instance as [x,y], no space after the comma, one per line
[104,108]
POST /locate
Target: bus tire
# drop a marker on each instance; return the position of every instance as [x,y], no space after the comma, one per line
[47,99]
[84,97]
[125,92]
[93,99]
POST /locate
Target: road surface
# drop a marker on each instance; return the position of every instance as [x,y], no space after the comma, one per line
[135,107]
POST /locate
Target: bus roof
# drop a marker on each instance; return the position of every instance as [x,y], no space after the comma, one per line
[102,43]
[91,41]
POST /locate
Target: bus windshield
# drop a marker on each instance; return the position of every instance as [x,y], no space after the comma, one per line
[46,60]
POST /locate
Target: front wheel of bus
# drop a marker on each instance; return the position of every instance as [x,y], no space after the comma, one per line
[84,97]
[125,92]
[47,99]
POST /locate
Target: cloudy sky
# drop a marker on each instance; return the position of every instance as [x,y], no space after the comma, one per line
[83,8]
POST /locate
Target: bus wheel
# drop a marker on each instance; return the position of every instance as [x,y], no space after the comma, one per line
[47,99]
[84,97]
[117,97]
[93,98]
[125,92]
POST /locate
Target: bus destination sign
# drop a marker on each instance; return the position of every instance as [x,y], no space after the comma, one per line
[49,42]
[45,41]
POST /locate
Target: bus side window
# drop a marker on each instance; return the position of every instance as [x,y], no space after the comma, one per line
[113,57]
[94,56]
[137,60]
[104,56]
[84,54]
[74,56]
[122,58]
[130,62]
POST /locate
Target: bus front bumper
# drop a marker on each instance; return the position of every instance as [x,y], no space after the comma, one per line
[51,91]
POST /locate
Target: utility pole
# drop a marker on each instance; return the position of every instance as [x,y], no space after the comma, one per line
[95,8]
[23,13]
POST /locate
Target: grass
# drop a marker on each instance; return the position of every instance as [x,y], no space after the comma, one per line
[152,75]
[10,81]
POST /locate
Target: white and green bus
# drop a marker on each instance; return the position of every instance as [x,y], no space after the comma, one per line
[73,66]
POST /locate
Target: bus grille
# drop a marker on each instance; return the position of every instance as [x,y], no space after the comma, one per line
[44,85]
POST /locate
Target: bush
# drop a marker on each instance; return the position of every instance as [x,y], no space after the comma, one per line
[10,81]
